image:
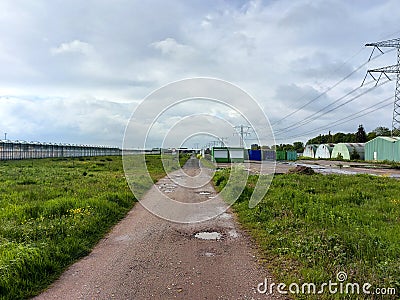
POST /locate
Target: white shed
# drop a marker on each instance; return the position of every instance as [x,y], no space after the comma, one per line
[324,151]
[310,150]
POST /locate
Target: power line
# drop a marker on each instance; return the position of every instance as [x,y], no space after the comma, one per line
[315,116]
[356,117]
[322,109]
[345,119]
[395,44]
[312,100]
[327,90]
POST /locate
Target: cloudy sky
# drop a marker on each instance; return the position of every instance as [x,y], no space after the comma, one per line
[74,71]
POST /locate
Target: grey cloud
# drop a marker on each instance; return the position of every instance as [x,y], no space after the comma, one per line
[65,120]
[282,52]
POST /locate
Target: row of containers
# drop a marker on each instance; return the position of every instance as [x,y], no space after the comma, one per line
[234,155]
[14,150]
[379,149]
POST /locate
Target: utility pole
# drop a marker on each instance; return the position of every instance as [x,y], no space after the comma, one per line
[242,131]
[393,69]
[5,136]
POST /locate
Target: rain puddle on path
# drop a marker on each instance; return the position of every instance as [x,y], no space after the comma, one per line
[204,193]
[209,195]
[208,235]
[167,187]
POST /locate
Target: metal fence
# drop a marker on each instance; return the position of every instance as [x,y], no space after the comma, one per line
[12,150]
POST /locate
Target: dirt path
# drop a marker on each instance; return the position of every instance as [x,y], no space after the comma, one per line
[146,257]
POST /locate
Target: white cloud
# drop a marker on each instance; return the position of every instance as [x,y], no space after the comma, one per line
[75,46]
[170,46]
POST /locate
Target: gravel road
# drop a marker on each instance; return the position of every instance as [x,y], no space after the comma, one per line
[147,257]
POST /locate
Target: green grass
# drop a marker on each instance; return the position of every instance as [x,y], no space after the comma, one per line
[207,164]
[308,228]
[142,171]
[53,211]
[183,158]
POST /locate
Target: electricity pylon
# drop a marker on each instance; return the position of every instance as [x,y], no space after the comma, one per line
[221,141]
[394,69]
[242,131]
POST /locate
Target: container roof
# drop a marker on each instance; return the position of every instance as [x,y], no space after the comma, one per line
[354,145]
[389,139]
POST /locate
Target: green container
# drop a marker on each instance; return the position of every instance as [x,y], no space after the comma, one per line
[236,155]
[291,155]
[383,148]
[220,154]
[226,155]
[280,155]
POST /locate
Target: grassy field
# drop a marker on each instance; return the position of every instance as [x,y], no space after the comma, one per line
[310,227]
[53,211]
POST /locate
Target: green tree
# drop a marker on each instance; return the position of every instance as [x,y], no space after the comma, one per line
[338,137]
[284,147]
[255,147]
[382,131]
[321,139]
[354,154]
[361,136]
[298,146]
[350,138]
[371,135]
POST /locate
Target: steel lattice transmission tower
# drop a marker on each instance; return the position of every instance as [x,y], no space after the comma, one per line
[394,69]
[242,131]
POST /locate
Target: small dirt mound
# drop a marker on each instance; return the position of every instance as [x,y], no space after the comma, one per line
[301,170]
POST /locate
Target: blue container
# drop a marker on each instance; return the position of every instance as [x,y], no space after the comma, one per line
[269,155]
[255,155]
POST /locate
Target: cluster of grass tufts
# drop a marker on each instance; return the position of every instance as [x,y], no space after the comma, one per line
[53,211]
[310,227]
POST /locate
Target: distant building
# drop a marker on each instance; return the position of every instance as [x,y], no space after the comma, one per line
[349,151]
[324,151]
[310,150]
[383,148]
